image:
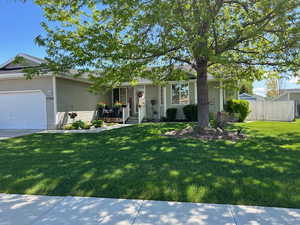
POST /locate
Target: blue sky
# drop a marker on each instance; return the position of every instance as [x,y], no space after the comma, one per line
[20,24]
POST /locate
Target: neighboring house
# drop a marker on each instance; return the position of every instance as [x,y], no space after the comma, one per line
[253,97]
[45,101]
[290,95]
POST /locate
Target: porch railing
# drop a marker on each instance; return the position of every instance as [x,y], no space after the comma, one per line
[125,113]
[142,113]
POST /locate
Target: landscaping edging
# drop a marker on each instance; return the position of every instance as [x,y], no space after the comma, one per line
[92,130]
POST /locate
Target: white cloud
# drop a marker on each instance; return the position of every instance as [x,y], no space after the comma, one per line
[260,91]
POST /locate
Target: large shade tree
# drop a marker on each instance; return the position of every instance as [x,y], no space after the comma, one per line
[126,39]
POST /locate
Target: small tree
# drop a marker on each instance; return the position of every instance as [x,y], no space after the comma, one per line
[272,87]
[246,87]
[126,39]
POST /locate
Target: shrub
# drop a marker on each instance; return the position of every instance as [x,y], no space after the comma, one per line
[78,124]
[190,112]
[69,127]
[164,119]
[86,126]
[171,114]
[238,106]
[97,123]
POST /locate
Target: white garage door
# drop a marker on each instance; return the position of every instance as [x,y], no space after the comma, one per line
[23,110]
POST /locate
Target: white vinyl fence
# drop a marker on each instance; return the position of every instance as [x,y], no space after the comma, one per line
[272,110]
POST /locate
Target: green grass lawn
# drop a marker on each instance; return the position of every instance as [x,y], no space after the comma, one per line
[136,162]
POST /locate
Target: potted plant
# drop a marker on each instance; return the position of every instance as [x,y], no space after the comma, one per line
[101,105]
[72,115]
[97,123]
[140,94]
[118,104]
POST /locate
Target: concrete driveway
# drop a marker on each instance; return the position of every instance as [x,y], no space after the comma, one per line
[6,134]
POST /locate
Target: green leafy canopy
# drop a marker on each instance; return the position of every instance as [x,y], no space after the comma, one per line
[126,39]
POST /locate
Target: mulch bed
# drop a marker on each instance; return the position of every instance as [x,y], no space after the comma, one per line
[207,134]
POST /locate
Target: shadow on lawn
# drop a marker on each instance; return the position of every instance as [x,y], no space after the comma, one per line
[135,162]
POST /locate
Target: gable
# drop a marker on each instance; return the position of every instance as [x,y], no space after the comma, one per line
[19,64]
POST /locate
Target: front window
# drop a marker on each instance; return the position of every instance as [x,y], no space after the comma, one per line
[116,95]
[180,94]
[120,95]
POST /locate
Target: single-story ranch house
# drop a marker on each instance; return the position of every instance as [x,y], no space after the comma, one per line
[45,101]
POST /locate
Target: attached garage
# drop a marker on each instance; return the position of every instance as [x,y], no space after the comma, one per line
[23,110]
[44,101]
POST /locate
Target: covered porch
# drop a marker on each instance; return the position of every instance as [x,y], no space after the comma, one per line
[147,101]
[133,104]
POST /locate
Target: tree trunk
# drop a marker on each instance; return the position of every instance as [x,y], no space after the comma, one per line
[202,95]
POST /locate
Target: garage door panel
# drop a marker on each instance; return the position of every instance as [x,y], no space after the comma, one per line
[23,110]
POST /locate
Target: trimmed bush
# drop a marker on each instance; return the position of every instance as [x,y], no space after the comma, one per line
[97,123]
[86,126]
[78,124]
[238,106]
[190,112]
[171,114]
[69,127]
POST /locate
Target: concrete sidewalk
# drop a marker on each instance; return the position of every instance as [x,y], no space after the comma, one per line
[46,210]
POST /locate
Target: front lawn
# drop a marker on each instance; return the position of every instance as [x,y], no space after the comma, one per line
[136,162]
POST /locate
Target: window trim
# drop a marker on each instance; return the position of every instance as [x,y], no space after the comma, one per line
[119,88]
[171,96]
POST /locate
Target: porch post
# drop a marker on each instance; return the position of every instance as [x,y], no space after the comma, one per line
[221,101]
[134,101]
[195,91]
[159,102]
[123,115]
[165,101]
[145,102]
[54,101]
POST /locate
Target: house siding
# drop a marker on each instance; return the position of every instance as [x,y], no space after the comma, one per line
[152,94]
[73,96]
[44,84]
[295,96]
[213,98]
[284,97]
[193,97]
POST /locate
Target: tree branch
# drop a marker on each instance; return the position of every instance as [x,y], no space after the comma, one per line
[243,4]
[179,59]
[250,63]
